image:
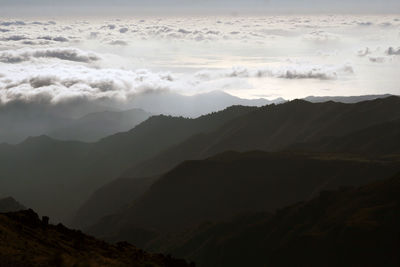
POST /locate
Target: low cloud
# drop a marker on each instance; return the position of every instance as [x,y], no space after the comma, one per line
[377,59]
[14,38]
[364,52]
[393,51]
[299,71]
[12,23]
[67,83]
[56,39]
[365,23]
[69,54]
[118,42]
[321,37]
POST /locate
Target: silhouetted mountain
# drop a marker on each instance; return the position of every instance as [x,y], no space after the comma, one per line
[21,119]
[9,204]
[231,183]
[170,103]
[55,177]
[20,123]
[276,127]
[25,240]
[348,227]
[344,99]
[95,126]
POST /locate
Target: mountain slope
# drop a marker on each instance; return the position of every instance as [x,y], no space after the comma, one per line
[350,227]
[170,103]
[231,183]
[27,241]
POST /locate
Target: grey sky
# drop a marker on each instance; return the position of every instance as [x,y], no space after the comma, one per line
[204,6]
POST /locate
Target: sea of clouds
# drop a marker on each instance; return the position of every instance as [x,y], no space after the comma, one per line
[108,63]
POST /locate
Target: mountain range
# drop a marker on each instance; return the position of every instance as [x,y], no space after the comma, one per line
[276,127]
[44,171]
[258,186]
[89,122]
[83,121]
[52,169]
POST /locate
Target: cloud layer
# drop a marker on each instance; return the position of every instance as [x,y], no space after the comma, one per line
[114,59]
[69,54]
[294,71]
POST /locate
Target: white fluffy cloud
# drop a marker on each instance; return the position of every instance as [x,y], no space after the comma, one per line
[59,82]
[295,71]
[52,58]
[57,75]
[321,37]
[69,54]
[393,51]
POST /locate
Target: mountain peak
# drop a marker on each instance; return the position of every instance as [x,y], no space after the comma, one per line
[9,204]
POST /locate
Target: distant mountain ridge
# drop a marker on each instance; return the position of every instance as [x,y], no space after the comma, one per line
[85,121]
[344,99]
[169,103]
[94,126]
[90,122]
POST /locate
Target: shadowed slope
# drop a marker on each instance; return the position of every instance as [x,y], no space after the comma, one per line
[231,183]
[27,241]
[350,227]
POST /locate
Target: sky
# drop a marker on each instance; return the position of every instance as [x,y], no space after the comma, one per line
[163,7]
